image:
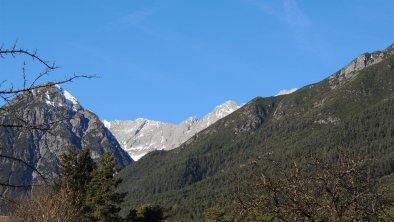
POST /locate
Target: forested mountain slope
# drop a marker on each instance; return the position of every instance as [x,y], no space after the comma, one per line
[352,109]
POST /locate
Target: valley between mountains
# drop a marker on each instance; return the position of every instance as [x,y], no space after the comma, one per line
[199,164]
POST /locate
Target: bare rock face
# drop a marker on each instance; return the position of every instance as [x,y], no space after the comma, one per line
[358,64]
[141,136]
[70,125]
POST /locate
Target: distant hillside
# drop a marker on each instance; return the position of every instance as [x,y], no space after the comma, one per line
[353,109]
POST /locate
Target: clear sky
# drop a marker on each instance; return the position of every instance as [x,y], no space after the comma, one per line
[169,59]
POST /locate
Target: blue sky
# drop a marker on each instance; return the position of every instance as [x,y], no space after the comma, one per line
[170,59]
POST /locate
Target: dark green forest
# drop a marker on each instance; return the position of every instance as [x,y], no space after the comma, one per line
[355,117]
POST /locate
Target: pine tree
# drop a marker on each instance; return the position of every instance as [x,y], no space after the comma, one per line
[102,198]
[76,169]
[75,175]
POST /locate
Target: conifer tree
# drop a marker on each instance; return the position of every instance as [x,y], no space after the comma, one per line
[102,198]
[75,175]
[76,169]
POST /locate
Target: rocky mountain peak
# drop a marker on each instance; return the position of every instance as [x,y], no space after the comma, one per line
[286,91]
[141,136]
[70,125]
[225,108]
[354,67]
[190,121]
[219,112]
[55,96]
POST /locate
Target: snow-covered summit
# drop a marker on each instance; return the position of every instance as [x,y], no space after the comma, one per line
[106,124]
[56,96]
[69,99]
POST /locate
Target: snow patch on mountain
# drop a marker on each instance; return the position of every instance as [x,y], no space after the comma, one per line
[69,99]
[106,124]
[142,136]
[285,91]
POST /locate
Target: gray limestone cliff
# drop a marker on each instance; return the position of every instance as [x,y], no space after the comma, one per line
[358,64]
[141,136]
[70,125]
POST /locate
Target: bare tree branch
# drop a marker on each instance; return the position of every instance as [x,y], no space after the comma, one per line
[15,52]
[49,84]
[11,93]
[24,163]
[320,190]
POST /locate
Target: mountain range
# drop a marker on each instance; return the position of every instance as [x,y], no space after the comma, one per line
[200,163]
[142,136]
[350,111]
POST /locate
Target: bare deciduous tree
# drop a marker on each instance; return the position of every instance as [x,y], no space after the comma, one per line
[338,189]
[46,205]
[9,91]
